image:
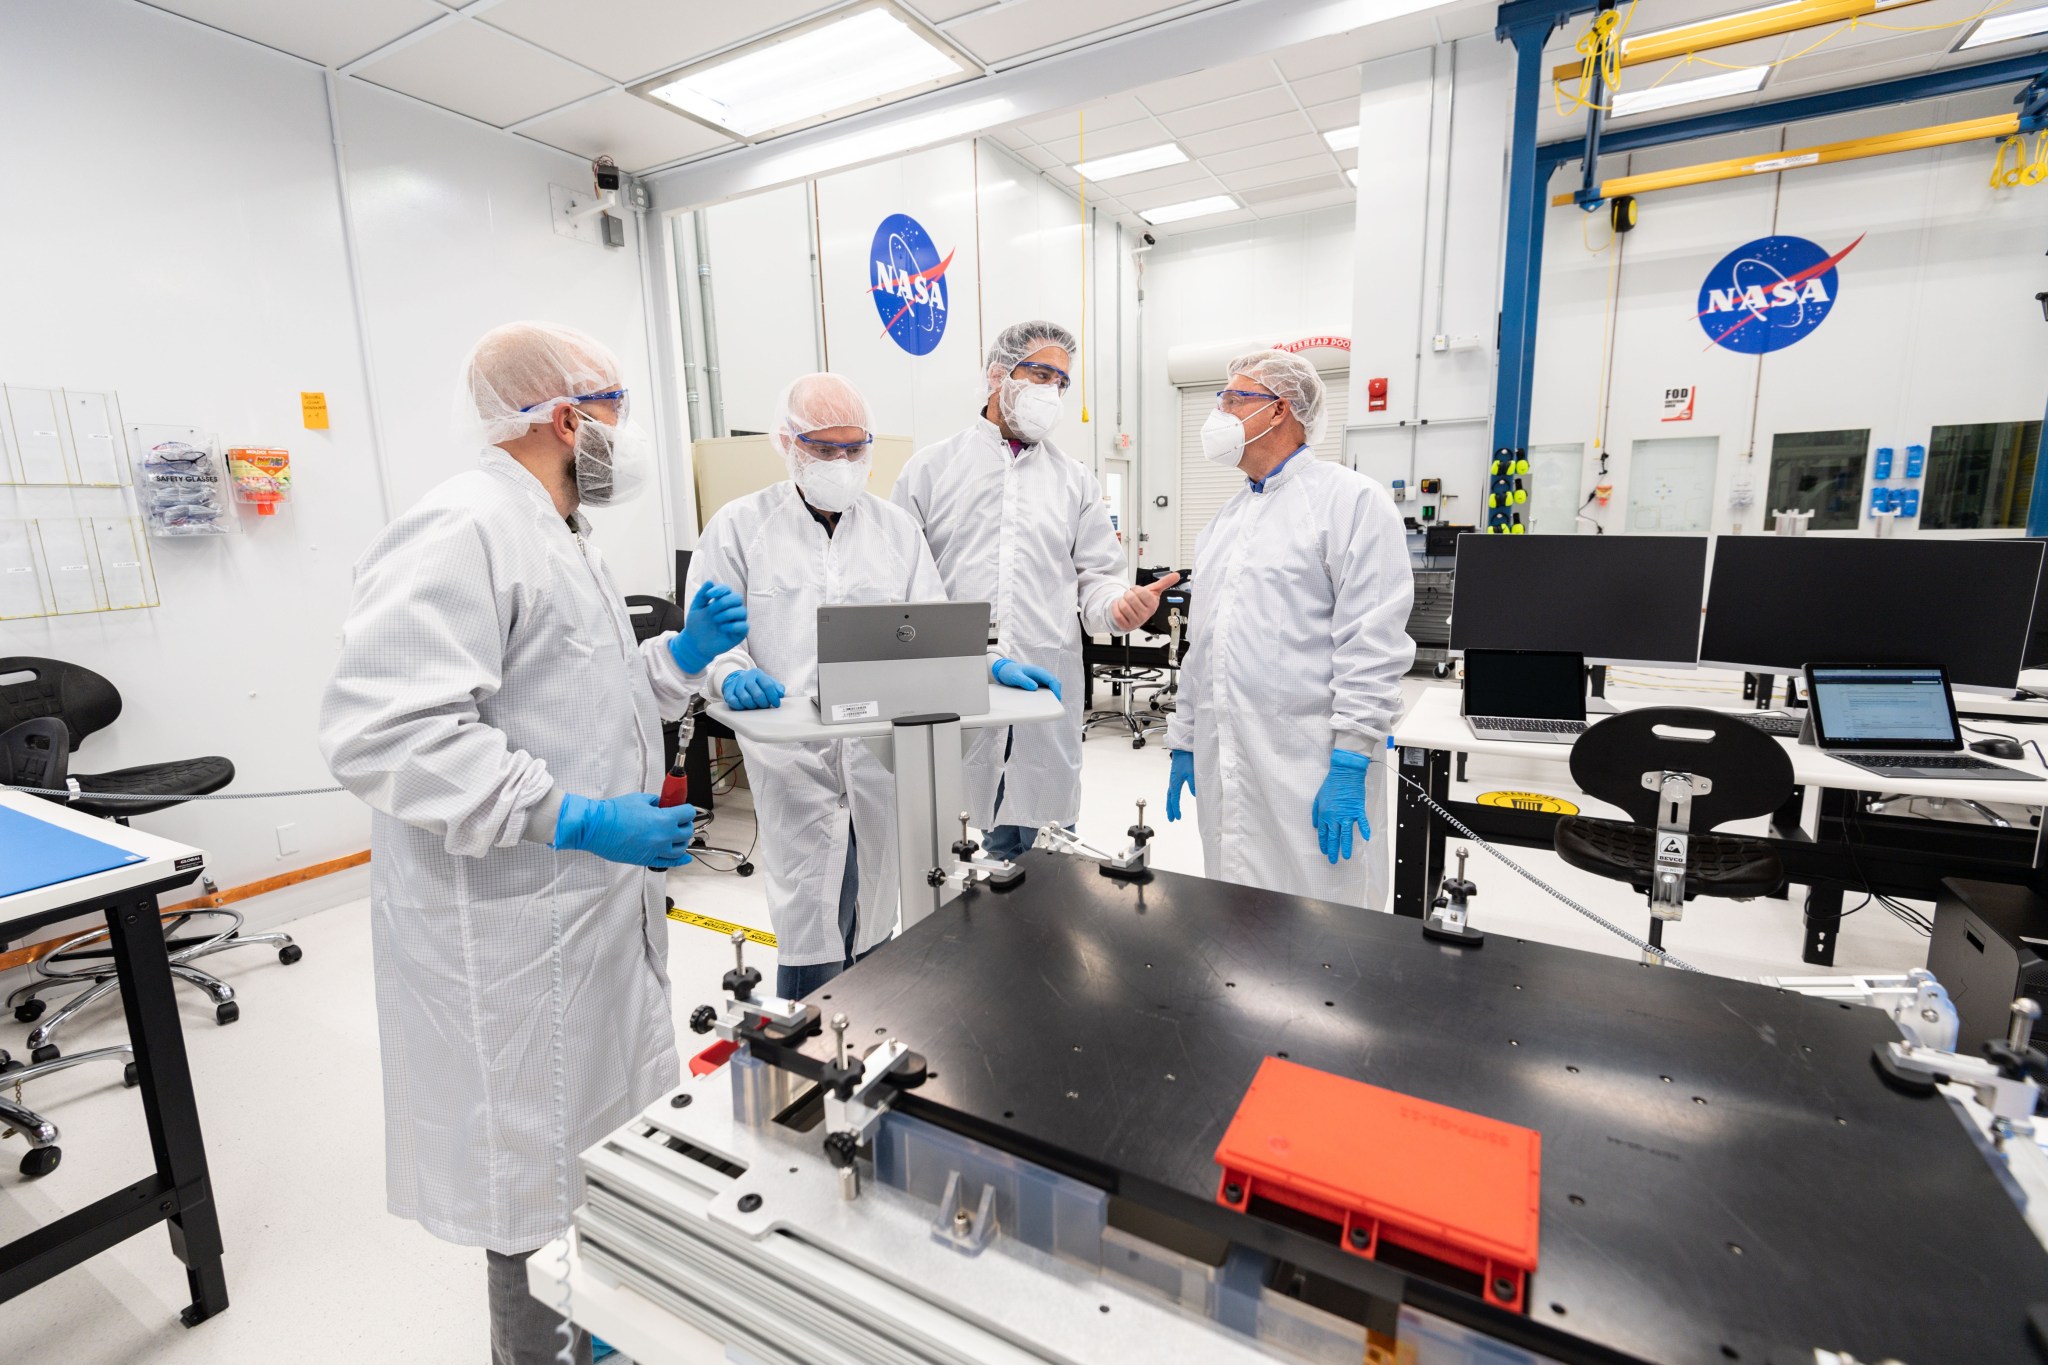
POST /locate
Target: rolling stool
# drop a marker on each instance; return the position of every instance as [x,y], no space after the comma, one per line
[1679,772]
[43,1153]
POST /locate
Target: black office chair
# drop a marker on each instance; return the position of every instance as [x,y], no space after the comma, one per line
[47,709]
[1132,670]
[656,616]
[1679,772]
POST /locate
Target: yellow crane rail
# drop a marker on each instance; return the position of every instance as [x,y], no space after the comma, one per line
[1709,34]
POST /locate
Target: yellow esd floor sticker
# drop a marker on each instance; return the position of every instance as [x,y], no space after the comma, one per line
[1529,801]
[721,927]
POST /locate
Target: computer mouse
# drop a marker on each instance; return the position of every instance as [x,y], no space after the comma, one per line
[1998,747]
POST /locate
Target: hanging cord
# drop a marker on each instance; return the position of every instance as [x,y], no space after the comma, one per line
[1599,50]
[1528,876]
[80,794]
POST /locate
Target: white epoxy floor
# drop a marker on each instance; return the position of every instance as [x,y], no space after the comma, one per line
[292,1109]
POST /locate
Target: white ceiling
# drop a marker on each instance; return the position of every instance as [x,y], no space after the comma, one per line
[557,71]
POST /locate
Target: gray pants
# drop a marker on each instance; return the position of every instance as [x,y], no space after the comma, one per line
[524,1331]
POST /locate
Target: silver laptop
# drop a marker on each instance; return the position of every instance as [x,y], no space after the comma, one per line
[887,660]
[1526,694]
[1896,719]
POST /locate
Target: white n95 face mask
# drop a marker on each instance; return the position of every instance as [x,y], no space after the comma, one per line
[612,462]
[1031,410]
[832,485]
[1223,438]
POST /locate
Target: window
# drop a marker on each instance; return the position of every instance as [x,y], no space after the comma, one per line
[1980,474]
[1671,483]
[1555,472]
[1819,472]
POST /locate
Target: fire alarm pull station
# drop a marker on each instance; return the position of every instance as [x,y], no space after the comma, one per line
[1376,395]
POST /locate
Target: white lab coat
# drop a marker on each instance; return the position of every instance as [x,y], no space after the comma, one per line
[522,993]
[1297,646]
[1028,534]
[769,547]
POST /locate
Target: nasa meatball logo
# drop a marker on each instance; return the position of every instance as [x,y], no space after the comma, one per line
[910,284]
[1769,293]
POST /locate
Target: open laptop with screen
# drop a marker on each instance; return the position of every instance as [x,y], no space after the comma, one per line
[1896,719]
[1525,694]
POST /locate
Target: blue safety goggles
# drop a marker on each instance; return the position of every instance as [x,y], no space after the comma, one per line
[835,450]
[617,396]
[1224,395]
[1035,372]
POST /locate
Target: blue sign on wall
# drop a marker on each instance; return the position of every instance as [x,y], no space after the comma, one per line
[1769,293]
[910,287]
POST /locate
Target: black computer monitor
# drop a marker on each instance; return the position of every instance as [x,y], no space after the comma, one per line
[1615,599]
[1777,603]
[2037,643]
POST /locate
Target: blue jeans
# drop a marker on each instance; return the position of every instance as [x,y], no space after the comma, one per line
[1007,841]
[794,983]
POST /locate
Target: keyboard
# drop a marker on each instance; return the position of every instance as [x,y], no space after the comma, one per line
[1930,761]
[1785,727]
[1526,726]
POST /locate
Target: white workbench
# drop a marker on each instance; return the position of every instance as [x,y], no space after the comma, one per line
[1434,722]
[160,859]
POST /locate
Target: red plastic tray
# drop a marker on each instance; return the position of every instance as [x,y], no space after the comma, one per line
[1389,1168]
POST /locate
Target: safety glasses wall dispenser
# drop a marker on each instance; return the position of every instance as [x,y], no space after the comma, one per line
[71,531]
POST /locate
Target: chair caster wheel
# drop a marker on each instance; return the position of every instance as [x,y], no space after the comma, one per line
[7,1062]
[290,953]
[745,869]
[129,1077]
[1138,743]
[29,1011]
[46,1053]
[227,1012]
[1440,670]
[40,1161]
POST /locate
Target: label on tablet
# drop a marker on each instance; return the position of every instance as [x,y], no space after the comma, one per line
[856,710]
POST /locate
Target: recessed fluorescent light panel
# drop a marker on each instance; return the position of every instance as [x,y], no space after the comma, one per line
[2003,28]
[1193,208]
[1342,138]
[1353,173]
[1130,163]
[847,62]
[1743,81]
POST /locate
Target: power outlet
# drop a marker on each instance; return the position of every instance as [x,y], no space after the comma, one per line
[287,840]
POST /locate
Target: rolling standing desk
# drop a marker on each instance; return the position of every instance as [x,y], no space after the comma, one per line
[1850,849]
[180,1192]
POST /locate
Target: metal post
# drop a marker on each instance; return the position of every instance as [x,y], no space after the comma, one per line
[714,395]
[1589,190]
[1523,264]
[926,758]
[2037,506]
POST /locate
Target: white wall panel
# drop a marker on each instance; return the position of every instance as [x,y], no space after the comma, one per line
[766,316]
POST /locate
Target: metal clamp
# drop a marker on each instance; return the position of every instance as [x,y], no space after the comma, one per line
[1133,864]
[1675,792]
[742,1006]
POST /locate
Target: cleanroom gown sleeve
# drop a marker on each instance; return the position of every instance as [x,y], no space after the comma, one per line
[1366,552]
[423,647]
[673,688]
[1098,561]
[721,558]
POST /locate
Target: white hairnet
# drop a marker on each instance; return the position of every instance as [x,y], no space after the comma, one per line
[1294,379]
[813,402]
[1015,344]
[518,374]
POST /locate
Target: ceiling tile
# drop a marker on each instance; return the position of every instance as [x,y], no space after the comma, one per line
[1341,84]
[1337,114]
[1214,220]
[1286,148]
[1359,45]
[481,72]
[1187,173]
[1125,137]
[328,34]
[939,11]
[1469,21]
[1206,87]
[1201,118]
[1037,156]
[1178,194]
[1286,191]
[628,39]
[1348,158]
[635,133]
[1013,30]
[1246,134]
[1276,172]
[1100,114]
[1308,203]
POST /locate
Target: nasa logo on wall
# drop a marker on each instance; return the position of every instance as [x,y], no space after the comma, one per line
[910,284]
[1769,293]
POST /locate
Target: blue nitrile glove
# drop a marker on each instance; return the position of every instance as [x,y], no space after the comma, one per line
[637,830]
[1182,775]
[752,690]
[1340,802]
[717,621]
[1030,677]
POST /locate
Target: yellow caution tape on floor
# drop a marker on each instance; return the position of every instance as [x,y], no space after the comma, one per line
[720,926]
[1530,801]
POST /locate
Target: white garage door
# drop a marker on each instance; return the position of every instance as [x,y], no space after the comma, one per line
[1205,486]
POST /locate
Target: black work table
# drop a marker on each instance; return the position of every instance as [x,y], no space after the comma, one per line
[1723,1175]
[179,1192]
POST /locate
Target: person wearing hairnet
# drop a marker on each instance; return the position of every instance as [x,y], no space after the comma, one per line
[826,809]
[1014,521]
[1296,650]
[491,706]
